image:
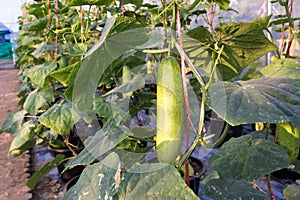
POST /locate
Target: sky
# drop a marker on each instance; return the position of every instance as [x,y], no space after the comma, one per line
[10,10]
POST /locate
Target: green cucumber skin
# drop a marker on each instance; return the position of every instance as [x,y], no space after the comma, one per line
[170,123]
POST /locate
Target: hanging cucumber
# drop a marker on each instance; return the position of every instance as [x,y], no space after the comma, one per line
[170,124]
[288,138]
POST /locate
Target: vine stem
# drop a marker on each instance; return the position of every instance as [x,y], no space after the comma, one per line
[56,32]
[185,90]
[272,196]
[49,24]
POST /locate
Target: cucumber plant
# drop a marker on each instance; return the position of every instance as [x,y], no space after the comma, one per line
[86,59]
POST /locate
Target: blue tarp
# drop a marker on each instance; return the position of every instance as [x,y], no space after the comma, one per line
[3,29]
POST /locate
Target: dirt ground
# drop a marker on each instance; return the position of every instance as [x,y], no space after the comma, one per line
[14,172]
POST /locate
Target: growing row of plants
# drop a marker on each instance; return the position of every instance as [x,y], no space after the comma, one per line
[97,66]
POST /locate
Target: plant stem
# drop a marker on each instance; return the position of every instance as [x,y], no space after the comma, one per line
[56,31]
[185,89]
[271,193]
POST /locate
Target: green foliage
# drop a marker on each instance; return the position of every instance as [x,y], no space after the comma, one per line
[97,181]
[13,122]
[270,100]
[33,180]
[73,72]
[60,118]
[250,161]
[37,99]
[288,137]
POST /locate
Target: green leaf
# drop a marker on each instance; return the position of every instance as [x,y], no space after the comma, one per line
[248,158]
[282,68]
[13,122]
[289,138]
[243,44]
[233,189]
[38,98]
[97,181]
[77,49]
[36,25]
[60,118]
[39,73]
[63,75]
[39,49]
[291,192]
[224,4]
[100,57]
[263,22]
[23,135]
[99,145]
[33,180]
[102,108]
[36,9]
[89,2]
[134,84]
[72,77]
[257,100]
[154,181]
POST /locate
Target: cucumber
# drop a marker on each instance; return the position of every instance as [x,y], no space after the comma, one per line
[170,123]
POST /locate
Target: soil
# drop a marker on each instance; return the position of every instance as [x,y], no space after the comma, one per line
[15,171]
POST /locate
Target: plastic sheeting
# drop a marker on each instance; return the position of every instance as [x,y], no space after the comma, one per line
[6,50]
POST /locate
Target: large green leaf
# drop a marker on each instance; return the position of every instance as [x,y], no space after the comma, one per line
[99,145]
[38,98]
[154,181]
[39,74]
[248,158]
[111,46]
[23,135]
[257,100]
[13,122]
[60,118]
[195,44]
[233,189]
[282,68]
[243,44]
[97,181]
